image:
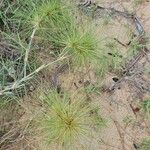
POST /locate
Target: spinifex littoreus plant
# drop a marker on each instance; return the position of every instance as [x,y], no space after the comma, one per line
[68,122]
[78,43]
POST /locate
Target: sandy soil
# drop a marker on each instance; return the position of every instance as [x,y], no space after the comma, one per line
[126,125]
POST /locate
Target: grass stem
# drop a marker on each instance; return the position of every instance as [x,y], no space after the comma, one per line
[28,51]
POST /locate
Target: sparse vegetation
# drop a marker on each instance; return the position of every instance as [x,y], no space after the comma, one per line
[61,64]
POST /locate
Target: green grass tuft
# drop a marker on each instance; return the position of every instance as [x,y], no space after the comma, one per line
[82,46]
[68,122]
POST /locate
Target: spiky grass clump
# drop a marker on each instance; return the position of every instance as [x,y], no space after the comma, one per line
[79,44]
[146,107]
[68,122]
[49,16]
[82,46]
[47,12]
[39,14]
